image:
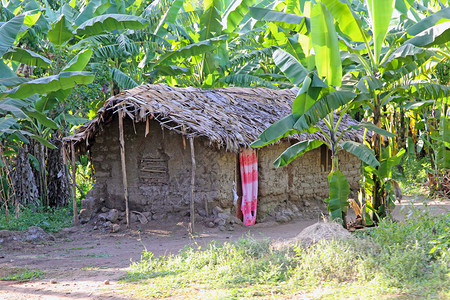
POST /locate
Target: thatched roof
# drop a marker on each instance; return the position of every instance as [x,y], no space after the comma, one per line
[229,117]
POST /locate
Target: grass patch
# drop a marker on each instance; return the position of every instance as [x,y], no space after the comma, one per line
[415,175]
[68,250]
[20,274]
[98,255]
[392,260]
[50,220]
[94,267]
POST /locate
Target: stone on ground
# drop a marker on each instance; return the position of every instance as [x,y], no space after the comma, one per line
[322,231]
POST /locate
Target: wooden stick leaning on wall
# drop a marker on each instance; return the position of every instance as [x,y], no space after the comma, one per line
[74,184]
[192,212]
[124,167]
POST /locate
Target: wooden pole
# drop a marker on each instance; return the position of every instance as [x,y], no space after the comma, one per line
[192,212]
[237,176]
[124,167]
[74,184]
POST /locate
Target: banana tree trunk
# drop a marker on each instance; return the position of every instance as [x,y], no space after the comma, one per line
[57,177]
[378,193]
[26,189]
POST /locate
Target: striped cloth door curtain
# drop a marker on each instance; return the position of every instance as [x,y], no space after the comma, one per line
[249,178]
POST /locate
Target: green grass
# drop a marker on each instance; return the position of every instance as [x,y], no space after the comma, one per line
[414,175]
[51,220]
[22,275]
[392,260]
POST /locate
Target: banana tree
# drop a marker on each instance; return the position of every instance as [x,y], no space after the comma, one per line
[318,100]
[23,99]
[375,75]
[215,45]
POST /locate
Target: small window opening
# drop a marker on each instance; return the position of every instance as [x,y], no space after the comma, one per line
[325,159]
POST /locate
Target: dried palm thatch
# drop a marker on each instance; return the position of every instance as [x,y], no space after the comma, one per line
[229,117]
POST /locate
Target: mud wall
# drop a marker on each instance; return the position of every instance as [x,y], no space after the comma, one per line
[159,173]
[302,182]
[159,170]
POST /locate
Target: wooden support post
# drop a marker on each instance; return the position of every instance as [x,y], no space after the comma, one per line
[238,181]
[192,212]
[74,184]
[124,167]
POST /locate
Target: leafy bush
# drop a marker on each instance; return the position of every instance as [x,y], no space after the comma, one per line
[51,220]
[414,173]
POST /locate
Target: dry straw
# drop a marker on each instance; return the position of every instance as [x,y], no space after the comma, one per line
[230,117]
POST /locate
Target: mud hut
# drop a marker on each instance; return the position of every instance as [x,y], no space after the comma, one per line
[181,154]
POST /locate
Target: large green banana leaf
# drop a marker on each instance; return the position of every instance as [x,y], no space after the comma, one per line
[348,24]
[288,43]
[42,119]
[278,130]
[170,70]
[293,7]
[110,22]
[246,80]
[443,151]
[8,33]
[27,57]
[428,90]
[374,128]
[430,21]
[61,31]
[123,80]
[14,106]
[13,80]
[210,25]
[406,54]
[295,151]
[7,123]
[436,35]
[361,151]
[322,108]
[388,164]
[301,23]
[92,9]
[169,17]
[290,66]
[79,61]
[380,12]
[6,72]
[326,46]
[303,101]
[190,50]
[235,13]
[339,191]
[49,84]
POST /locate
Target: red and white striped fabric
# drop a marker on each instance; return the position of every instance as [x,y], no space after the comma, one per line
[249,178]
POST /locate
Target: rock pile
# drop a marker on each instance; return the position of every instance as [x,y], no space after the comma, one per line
[222,218]
[286,212]
[111,219]
[34,234]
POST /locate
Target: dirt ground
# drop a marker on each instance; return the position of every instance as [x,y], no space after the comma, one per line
[83,263]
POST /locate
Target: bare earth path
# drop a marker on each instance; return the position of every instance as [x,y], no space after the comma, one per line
[78,263]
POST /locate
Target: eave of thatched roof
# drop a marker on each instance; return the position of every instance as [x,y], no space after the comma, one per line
[231,117]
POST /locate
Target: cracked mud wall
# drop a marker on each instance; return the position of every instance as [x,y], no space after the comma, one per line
[159,170]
